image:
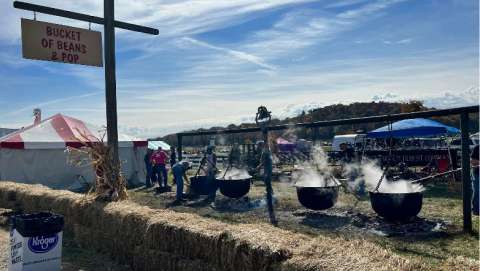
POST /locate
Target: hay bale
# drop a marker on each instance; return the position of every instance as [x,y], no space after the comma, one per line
[81,235]
[151,260]
[327,253]
[149,239]
[195,237]
[460,263]
[4,215]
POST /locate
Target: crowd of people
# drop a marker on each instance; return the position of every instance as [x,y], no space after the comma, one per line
[156,166]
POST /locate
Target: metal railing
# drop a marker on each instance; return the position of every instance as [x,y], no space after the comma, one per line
[464,123]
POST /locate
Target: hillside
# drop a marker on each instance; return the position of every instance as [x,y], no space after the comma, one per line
[331,112]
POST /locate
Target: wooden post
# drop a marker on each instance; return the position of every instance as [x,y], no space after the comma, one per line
[466,178]
[109,24]
[110,82]
[179,147]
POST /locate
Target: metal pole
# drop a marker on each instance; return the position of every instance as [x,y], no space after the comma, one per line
[110,83]
[328,123]
[267,178]
[467,181]
[179,146]
[315,134]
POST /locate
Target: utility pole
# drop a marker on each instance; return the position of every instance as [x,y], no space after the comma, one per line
[110,83]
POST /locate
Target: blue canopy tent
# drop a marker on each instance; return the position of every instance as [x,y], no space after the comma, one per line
[413,128]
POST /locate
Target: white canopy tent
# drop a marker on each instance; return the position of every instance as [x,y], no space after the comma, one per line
[154,144]
[37,154]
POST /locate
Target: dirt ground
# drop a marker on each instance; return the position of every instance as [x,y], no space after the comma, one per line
[431,238]
[73,258]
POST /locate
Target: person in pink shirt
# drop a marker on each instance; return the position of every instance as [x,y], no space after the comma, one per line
[159,170]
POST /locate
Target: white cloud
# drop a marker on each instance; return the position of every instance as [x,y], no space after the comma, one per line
[344,3]
[300,29]
[173,18]
[211,93]
[234,53]
[453,99]
[49,103]
[405,41]
[293,110]
[445,99]
[368,9]
[402,41]
[207,84]
[200,102]
[386,97]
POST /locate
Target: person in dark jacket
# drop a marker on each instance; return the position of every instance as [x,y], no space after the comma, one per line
[148,167]
[180,175]
[347,153]
[173,156]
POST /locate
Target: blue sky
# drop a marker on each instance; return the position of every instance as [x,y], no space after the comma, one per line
[215,62]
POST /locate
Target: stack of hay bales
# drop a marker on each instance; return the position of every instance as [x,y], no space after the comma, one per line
[144,238]
[459,263]
[148,239]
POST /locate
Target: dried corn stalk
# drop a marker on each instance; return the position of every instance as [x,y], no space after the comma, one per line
[109,183]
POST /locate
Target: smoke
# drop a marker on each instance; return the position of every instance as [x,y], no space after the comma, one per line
[315,172]
[291,134]
[368,173]
[235,174]
[310,177]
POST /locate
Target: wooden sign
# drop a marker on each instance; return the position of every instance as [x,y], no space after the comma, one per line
[60,43]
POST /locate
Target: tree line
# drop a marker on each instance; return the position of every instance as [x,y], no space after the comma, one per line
[330,112]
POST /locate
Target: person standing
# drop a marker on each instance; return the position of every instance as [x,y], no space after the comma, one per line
[173,156]
[346,153]
[159,159]
[476,185]
[179,175]
[234,158]
[210,169]
[148,167]
[257,153]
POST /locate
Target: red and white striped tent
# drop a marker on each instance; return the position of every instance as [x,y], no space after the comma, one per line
[36,154]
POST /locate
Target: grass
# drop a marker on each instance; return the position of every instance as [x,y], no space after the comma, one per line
[440,203]
[76,258]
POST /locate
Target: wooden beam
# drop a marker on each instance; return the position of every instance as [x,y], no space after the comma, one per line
[82,17]
[392,117]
